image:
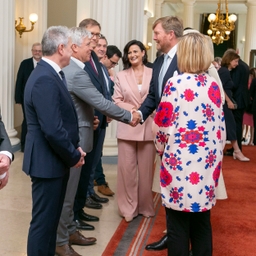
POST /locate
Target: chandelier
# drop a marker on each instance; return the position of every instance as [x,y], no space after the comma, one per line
[221,24]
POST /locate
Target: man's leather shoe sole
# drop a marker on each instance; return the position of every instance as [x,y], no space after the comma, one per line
[83,226]
[87,217]
[159,245]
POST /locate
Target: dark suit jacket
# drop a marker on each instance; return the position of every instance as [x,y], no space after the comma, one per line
[253,94]
[99,82]
[52,138]
[25,69]
[153,99]
[227,82]
[240,76]
[5,144]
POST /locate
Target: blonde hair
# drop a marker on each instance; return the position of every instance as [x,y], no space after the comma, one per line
[194,53]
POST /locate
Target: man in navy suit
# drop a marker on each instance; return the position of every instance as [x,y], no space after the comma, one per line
[6,155]
[167,31]
[52,140]
[25,69]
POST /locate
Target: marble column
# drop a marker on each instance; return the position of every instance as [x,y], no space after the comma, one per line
[7,40]
[250,35]
[188,13]
[121,21]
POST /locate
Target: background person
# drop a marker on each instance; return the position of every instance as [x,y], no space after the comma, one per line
[248,117]
[183,131]
[25,69]
[229,61]
[136,151]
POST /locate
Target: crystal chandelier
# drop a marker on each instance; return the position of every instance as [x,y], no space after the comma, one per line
[221,24]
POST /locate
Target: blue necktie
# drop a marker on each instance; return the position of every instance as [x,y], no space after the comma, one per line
[162,74]
[63,78]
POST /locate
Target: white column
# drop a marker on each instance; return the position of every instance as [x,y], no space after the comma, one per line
[121,21]
[7,67]
[23,45]
[188,13]
[250,36]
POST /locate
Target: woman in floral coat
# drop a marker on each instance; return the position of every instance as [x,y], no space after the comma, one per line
[189,131]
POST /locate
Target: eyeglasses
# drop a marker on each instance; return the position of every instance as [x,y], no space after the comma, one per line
[113,63]
[99,35]
[36,50]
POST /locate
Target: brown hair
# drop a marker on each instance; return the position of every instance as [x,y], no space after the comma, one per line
[171,23]
[228,56]
[89,22]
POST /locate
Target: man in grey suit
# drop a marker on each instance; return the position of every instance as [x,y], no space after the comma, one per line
[85,97]
[5,155]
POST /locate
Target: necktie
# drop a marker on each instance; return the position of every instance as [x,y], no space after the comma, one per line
[162,74]
[92,64]
[63,78]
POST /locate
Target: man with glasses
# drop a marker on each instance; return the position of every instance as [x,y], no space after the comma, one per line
[109,57]
[25,69]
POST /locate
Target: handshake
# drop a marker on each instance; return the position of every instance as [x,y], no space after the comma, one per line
[136,117]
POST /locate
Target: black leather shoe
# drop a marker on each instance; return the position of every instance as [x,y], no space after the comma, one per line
[90,203]
[82,225]
[229,152]
[87,217]
[99,199]
[159,245]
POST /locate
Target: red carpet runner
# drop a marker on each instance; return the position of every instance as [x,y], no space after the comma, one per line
[233,219]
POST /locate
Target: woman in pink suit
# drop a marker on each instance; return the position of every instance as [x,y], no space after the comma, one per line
[136,151]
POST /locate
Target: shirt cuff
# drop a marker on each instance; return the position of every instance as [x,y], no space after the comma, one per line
[7,153]
[142,121]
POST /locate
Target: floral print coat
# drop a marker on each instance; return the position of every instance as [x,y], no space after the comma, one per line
[189,130]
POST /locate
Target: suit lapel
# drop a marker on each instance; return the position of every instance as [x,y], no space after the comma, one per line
[147,74]
[131,80]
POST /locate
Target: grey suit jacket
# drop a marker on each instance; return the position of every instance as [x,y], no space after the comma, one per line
[86,97]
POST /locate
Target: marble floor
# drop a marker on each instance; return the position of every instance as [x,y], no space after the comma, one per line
[15,214]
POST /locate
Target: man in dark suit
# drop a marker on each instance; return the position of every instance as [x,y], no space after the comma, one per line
[6,155]
[166,33]
[109,57]
[25,69]
[52,140]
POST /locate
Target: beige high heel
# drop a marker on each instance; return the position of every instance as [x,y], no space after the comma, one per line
[242,159]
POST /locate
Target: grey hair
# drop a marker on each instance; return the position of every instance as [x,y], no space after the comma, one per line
[53,37]
[78,34]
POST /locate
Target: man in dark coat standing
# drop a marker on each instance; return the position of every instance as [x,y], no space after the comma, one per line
[25,69]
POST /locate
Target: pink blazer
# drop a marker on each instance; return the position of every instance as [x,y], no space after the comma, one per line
[127,95]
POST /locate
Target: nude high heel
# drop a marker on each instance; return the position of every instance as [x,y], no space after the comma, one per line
[242,159]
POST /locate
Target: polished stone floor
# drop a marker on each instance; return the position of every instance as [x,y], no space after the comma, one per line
[15,214]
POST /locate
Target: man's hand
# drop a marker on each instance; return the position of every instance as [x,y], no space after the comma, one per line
[81,161]
[96,122]
[136,118]
[5,163]
[4,181]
